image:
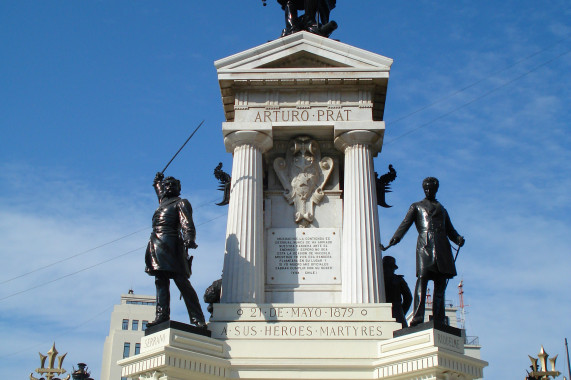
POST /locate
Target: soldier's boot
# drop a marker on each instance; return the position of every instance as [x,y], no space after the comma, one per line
[191,301]
[438,304]
[161,316]
[419,301]
[163,301]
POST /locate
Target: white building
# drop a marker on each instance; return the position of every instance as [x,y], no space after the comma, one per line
[127,327]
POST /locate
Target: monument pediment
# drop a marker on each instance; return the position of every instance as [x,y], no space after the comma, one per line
[303,50]
[303,60]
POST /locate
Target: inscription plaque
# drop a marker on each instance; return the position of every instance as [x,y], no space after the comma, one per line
[303,330]
[303,256]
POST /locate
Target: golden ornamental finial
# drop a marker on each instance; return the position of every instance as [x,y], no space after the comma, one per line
[544,373]
[50,371]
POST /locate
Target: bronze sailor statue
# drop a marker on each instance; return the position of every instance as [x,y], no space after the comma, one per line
[166,256]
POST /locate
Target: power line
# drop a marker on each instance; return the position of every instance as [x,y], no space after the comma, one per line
[60,335]
[91,266]
[392,122]
[71,274]
[73,256]
[89,250]
[505,84]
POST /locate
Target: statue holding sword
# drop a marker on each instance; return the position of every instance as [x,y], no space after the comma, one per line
[166,256]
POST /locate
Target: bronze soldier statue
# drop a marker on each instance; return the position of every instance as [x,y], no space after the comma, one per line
[308,21]
[434,260]
[166,256]
[396,290]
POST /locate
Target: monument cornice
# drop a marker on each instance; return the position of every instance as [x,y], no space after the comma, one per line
[302,74]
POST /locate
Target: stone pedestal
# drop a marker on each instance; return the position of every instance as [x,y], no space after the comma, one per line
[257,344]
[302,285]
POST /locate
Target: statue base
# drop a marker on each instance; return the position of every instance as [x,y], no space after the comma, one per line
[427,326]
[177,326]
[286,341]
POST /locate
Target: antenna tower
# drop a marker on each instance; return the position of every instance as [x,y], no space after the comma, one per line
[461,305]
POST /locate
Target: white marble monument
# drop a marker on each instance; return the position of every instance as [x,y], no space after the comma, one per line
[302,286]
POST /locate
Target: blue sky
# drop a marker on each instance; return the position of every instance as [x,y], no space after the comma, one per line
[95,97]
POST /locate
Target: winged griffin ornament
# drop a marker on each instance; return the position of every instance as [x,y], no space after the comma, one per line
[303,173]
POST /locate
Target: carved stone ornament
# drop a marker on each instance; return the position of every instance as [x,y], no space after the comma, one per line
[156,375]
[303,173]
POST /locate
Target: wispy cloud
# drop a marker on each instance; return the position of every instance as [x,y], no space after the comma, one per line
[49,218]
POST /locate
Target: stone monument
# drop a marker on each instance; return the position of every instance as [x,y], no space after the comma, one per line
[302,285]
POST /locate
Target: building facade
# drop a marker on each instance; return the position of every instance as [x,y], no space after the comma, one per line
[127,327]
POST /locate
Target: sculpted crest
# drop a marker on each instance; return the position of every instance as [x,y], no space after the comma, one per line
[303,173]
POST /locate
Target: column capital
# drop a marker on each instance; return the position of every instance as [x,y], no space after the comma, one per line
[365,133]
[359,137]
[261,139]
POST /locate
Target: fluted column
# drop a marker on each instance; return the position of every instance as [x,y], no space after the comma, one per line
[243,273]
[362,271]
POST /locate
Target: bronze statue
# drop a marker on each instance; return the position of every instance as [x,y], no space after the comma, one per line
[314,9]
[396,290]
[212,295]
[383,185]
[225,181]
[166,257]
[434,260]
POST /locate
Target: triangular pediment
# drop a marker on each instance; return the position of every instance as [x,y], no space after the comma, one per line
[302,59]
[303,50]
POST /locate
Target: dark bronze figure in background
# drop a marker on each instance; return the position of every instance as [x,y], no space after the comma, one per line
[212,295]
[166,257]
[434,260]
[396,290]
[225,180]
[314,9]
[383,185]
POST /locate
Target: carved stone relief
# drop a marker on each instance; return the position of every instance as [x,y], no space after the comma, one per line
[303,173]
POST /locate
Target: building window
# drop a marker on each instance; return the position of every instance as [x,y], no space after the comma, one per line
[144,325]
[125,324]
[123,378]
[135,324]
[137,348]
[126,349]
[148,303]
